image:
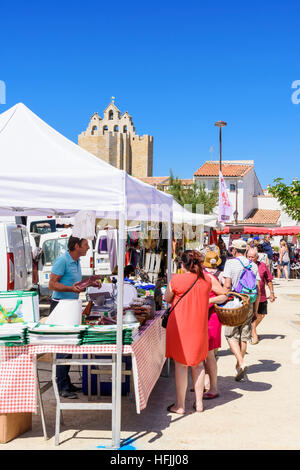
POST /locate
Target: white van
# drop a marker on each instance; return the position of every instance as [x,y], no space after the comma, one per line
[41,225]
[16,257]
[101,255]
[53,245]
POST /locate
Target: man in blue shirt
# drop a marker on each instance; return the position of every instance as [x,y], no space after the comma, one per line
[64,279]
[268,250]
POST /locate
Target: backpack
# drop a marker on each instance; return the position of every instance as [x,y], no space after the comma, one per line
[247,283]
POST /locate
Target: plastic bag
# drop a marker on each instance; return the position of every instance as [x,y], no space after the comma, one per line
[235,303]
[84,225]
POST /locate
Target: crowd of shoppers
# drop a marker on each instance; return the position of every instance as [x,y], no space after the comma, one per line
[193,334]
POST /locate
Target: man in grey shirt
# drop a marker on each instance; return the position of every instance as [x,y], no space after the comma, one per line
[238,336]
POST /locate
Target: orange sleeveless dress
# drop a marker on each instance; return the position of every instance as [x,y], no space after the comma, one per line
[187,329]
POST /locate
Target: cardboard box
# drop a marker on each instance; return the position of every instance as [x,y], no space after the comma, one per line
[14,424]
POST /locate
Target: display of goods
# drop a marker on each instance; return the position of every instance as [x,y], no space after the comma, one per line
[86,312]
[141,312]
[106,321]
[96,320]
[139,309]
[141,319]
[92,281]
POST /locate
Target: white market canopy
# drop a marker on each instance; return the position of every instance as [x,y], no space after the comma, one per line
[183,216]
[44,172]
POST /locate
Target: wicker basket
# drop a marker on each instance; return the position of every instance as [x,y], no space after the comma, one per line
[234,316]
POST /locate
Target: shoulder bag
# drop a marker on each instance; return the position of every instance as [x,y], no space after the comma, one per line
[166,314]
[286,257]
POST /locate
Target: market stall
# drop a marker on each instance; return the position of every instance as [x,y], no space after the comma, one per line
[44,173]
[17,366]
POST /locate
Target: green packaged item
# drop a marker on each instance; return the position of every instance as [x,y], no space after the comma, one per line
[19,307]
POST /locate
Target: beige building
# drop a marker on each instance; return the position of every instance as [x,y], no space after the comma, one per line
[113,139]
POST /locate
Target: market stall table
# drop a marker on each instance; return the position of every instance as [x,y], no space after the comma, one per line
[18,387]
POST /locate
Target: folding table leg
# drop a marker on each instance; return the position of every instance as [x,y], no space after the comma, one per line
[98,385]
[113,400]
[40,401]
[89,380]
[56,392]
[135,380]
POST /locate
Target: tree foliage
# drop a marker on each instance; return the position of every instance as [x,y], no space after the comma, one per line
[288,196]
[193,195]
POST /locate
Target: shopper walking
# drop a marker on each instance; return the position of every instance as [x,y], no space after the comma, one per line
[269,250]
[187,329]
[284,260]
[262,256]
[217,296]
[265,279]
[238,336]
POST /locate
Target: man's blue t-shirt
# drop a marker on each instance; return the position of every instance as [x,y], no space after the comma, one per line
[268,249]
[70,271]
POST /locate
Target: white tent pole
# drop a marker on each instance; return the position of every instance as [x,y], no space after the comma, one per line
[121,262]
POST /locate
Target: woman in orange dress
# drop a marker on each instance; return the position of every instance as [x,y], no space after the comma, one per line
[187,329]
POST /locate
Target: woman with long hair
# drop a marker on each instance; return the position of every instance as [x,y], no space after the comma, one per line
[187,329]
[284,260]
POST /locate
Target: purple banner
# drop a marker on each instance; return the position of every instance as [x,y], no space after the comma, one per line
[225,208]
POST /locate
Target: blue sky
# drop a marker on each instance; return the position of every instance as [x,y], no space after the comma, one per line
[176,67]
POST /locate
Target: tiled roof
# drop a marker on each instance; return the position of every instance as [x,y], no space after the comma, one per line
[263,216]
[185,182]
[228,169]
[155,180]
[163,180]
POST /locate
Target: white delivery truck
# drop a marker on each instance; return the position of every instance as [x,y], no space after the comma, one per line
[53,245]
[16,257]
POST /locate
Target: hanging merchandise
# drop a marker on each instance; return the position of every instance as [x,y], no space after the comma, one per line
[84,225]
[112,248]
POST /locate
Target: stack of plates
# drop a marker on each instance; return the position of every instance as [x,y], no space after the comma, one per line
[55,334]
[13,334]
[107,334]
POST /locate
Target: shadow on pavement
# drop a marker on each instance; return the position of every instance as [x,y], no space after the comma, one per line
[266,365]
[262,337]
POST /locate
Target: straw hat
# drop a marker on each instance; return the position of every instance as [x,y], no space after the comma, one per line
[212,259]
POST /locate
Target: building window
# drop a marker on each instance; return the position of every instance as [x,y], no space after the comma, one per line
[125,129]
[94,129]
[111,115]
[116,129]
[232,187]
[105,128]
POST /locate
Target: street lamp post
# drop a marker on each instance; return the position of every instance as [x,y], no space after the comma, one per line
[236,201]
[220,124]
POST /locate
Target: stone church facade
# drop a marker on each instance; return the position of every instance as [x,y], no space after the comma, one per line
[113,139]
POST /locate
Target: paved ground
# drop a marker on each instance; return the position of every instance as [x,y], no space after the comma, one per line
[263,412]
